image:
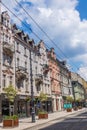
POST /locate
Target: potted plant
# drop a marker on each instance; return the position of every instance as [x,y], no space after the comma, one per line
[11,120]
[79,101]
[69,100]
[42,114]
[75,108]
[16,120]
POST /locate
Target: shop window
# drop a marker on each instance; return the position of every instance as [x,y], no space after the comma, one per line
[22,109]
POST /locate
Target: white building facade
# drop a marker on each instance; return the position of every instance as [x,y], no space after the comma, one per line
[7,66]
[42,75]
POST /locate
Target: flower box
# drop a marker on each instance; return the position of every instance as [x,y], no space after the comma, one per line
[16,122]
[69,110]
[10,121]
[75,108]
[43,116]
[80,107]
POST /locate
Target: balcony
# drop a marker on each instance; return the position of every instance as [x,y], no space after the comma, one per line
[8,48]
[46,69]
[21,73]
[38,79]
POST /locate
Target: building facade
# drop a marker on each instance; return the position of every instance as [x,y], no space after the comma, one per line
[18,56]
[55,81]
[78,88]
[42,75]
[7,62]
[22,71]
[65,81]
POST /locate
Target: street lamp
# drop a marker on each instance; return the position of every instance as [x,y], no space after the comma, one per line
[32,92]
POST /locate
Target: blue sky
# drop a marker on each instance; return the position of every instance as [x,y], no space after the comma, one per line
[64,21]
[82,8]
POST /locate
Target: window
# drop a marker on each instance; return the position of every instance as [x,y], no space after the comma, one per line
[25,51]
[4,80]
[17,62]
[10,81]
[38,88]
[8,23]
[4,58]
[17,46]
[25,64]
[26,85]
[22,83]
[6,37]
[36,70]
[4,21]
[9,60]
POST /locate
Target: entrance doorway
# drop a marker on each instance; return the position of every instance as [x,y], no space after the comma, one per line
[5,108]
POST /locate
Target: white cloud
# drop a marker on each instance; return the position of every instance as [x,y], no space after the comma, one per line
[82,71]
[45,12]
[61,21]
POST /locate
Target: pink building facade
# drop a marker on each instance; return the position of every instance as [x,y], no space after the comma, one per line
[55,81]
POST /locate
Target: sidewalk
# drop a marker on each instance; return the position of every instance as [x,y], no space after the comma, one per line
[26,123]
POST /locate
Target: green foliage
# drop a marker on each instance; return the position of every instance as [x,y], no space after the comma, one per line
[14,117]
[42,97]
[78,100]
[10,93]
[28,98]
[42,111]
[69,99]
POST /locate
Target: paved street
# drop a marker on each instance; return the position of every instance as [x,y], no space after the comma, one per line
[56,121]
[72,122]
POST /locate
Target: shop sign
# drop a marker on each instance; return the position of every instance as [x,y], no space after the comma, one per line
[67,105]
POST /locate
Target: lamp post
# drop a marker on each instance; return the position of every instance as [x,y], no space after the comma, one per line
[32,92]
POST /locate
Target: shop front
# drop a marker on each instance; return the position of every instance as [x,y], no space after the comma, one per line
[4,106]
[47,105]
[22,106]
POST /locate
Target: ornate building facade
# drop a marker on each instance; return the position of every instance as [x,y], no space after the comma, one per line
[55,81]
[7,62]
